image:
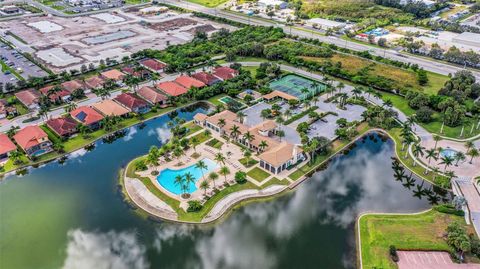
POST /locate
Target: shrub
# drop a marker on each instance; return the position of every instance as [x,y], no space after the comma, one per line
[393,253]
[240,177]
[140,165]
[194,206]
[449,209]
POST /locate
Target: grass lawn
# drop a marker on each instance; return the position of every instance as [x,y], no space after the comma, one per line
[208,3]
[258,174]
[216,99]
[192,128]
[337,146]
[404,78]
[252,69]
[415,232]
[215,143]
[202,137]
[248,162]
[21,109]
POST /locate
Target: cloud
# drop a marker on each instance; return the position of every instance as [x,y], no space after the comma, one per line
[131,132]
[163,134]
[104,251]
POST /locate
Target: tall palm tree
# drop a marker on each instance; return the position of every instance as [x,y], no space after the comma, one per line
[213,176]
[204,185]
[417,150]
[220,158]
[473,153]
[221,123]
[248,137]
[224,171]
[194,141]
[70,107]
[430,154]
[179,180]
[189,179]
[263,145]
[447,161]
[459,156]
[247,154]
[304,92]
[234,131]
[202,166]
[436,138]
[469,145]
[241,116]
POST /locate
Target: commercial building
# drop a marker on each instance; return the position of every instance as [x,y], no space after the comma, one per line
[272,4]
[325,24]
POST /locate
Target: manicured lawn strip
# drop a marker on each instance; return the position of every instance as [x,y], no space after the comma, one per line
[215,100]
[210,203]
[215,143]
[21,109]
[248,163]
[406,232]
[418,170]
[258,174]
[192,128]
[208,3]
[275,181]
[435,82]
[338,145]
[202,137]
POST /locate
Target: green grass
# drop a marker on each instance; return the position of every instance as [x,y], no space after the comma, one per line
[14,72]
[406,232]
[21,109]
[248,162]
[258,174]
[337,146]
[192,128]
[202,137]
[216,99]
[208,3]
[215,143]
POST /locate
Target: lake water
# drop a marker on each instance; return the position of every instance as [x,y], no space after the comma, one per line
[70,215]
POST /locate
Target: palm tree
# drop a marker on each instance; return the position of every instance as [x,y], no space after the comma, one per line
[202,166]
[234,131]
[213,176]
[179,180]
[70,107]
[304,92]
[340,86]
[287,113]
[204,185]
[221,123]
[473,153]
[431,154]
[241,116]
[469,145]
[248,137]
[15,156]
[436,138]
[189,179]
[417,150]
[447,161]
[357,91]
[224,171]
[387,103]
[220,158]
[459,156]
[152,157]
[194,140]
[435,171]
[263,145]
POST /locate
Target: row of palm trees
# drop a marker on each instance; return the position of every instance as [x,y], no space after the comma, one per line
[213,176]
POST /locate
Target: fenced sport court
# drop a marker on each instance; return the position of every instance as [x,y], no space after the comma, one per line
[293,85]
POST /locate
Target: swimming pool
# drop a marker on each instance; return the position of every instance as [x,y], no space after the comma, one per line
[166,178]
[448,152]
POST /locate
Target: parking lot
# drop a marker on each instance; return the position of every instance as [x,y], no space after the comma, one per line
[20,64]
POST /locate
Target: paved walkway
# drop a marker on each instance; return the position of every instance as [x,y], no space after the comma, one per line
[471,194]
[429,260]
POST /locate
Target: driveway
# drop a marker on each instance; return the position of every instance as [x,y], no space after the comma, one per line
[429,260]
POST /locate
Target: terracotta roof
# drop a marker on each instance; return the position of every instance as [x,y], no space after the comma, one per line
[226,115]
[131,71]
[72,85]
[281,94]
[86,115]
[200,117]
[130,101]
[56,96]
[189,82]
[153,64]
[280,154]
[28,97]
[94,82]
[110,108]
[30,136]
[113,74]
[225,72]
[171,88]
[6,145]
[266,125]
[151,95]
[63,126]
[205,78]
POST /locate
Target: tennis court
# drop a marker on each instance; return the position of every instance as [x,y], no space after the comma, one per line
[293,85]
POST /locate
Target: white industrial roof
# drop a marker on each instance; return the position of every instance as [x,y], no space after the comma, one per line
[271,2]
[326,22]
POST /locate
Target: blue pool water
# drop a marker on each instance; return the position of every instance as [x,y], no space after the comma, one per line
[166,178]
[448,152]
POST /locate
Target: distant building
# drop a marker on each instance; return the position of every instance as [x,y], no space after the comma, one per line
[325,24]
[225,72]
[29,98]
[33,140]
[206,78]
[10,10]
[153,10]
[58,96]
[72,86]
[171,88]
[152,96]
[272,4]
[94,83]
[113,74]
[428,3]
[153,65]
[6,109]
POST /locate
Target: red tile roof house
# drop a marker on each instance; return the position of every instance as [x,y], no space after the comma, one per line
[225,72]
[135,104]
[72,86]
[189,82]
[139,74]
[206,78]
[152,96]
[60,96]
[114,75]
[153,65]
[171,88]
[6,146]
[63,127]
[6,109]
[87,116]
[93,83]
[30,98]
[33,140]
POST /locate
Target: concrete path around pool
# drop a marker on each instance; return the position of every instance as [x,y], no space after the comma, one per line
[430,260]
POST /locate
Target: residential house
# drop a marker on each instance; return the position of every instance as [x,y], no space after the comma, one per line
[63,127]
[133,103]
[6,146]
[29,98]
[225,72]
[275,155]
[73,86]
[114,75]
[93,83]
[33,140]
[6,109]
[152,96]
[143,73]
[171,88]
[59,96]
[189,82]
[87,116]
[110,108]
[153,65]
[206,78]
